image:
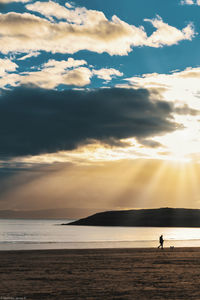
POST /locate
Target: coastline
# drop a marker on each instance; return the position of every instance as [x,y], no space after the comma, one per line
[129,273]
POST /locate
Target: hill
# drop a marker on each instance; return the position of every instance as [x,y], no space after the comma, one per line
[161,217]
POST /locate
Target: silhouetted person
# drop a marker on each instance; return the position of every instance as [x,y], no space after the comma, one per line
[161,242]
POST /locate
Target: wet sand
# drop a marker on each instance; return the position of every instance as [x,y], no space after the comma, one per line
[100,274]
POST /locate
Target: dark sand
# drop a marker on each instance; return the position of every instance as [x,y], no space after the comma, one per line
[100,274]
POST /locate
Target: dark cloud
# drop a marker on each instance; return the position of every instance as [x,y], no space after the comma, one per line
[186,110]
[150,143]
[35,121]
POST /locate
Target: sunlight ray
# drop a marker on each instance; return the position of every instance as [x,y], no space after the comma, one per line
[127,191]
[194,174]
[146,198]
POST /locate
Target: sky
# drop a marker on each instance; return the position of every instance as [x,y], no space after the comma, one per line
[99,104]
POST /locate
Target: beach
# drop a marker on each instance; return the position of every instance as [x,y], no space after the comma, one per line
[102,274]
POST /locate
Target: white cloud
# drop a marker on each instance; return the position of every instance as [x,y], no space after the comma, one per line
[29,55]
[26,32]
[78,77]
[6,65]
[7,77]
[168,35]
[67,4]
[52,9]
[82,29]
[64,64]
[107,74]
[181,86]
[70,72]
[53,73]
[190,2]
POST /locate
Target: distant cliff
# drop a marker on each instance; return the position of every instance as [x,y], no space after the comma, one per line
[162,217]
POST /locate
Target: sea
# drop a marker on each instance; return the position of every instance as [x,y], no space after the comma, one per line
[20,234]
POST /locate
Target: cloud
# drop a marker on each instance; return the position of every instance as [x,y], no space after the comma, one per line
[186,110]
[78,77]
[190,2]
[64,64]
[179,86]
[189,73]
[107,74]
[45,79]
[37,121]
[52,9]
[150,143]
[29,55]
[81,29]
[7,77]
[67,4]
[6,65]
[168,35]
[54,73]
[26,32]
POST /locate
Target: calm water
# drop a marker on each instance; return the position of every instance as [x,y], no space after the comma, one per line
[48,234]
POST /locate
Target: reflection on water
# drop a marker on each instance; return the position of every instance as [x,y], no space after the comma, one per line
[48,234]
